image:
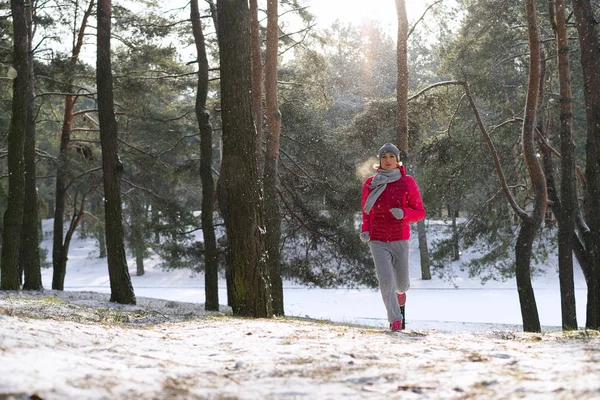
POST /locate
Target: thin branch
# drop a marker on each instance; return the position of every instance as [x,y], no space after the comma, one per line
[285,35]
[90,95]
[133,185]
[92,216]
[422,16]
[454,114]
[298,165]
[435,85]
[176,143]
[518,210]
[89,171]
[156,77]
[43,154]
[298,42]
[144,152]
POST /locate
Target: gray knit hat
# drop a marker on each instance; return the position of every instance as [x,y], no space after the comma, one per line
[389,148]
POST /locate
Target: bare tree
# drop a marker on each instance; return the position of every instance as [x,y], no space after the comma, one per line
[239,176]
[120,282]
[13,216]
[208,185]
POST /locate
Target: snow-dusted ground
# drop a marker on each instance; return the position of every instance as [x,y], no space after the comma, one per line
[462,304]
[460,342]
[74,345]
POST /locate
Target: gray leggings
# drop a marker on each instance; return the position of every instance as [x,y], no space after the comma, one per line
[391,266]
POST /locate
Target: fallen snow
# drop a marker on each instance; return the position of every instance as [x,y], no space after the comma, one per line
[78,345]
[463,340]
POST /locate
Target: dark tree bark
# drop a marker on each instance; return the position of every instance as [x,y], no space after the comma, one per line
[402,83]
[589,44]
[121,290]
[138,243]
[60,249]
[273,215]
[453,213]
[211,276]
[566,222]
[424,251]
[257,78]
[30,240]
[13,216]
[244,216]
[532,222]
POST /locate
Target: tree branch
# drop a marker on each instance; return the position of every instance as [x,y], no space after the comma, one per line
[422,16]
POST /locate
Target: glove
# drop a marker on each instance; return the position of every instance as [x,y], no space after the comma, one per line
[365,236]
[397,212]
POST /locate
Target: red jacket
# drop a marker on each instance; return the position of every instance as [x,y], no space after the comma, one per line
[380,222]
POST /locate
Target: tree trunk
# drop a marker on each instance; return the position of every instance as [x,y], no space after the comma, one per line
[455,244]
[530,224]
[257,76]
[529,313]
[138,243]
[30,240]
[589,44]
[244,221]
[211,274]
[13,216]
[566,225]
[60,251]
[120,281]
[424,251]
[270,179]
[402,83]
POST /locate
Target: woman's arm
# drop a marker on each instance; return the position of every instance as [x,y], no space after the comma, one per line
[415,210]
[366,221]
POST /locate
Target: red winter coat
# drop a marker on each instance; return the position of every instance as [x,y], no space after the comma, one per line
[380,223]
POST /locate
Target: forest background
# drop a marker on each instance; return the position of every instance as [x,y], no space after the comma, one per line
[336,103]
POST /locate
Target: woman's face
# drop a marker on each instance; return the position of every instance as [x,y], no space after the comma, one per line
[388,161]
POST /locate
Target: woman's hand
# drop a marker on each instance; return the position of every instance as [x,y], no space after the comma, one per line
[365,236]
[397,212]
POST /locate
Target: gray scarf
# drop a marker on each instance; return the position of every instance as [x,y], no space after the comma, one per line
[378,185]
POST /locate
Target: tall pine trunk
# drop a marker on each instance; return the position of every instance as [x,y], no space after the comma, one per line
[257,79]
[566,223]
[270,179]
[531,223]
[30,240]
[13,216]
[239,176]
[424,251]
[589,49]
[402,83]
[121,290]
[60,250]
[211,270]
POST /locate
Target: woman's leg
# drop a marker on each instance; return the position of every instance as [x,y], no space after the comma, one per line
[400,253]
[383,257]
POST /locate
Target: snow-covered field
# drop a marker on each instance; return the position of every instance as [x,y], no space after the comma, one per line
[463,342]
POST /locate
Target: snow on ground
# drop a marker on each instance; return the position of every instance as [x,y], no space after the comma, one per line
[463,340]
[457,305]
[77,345]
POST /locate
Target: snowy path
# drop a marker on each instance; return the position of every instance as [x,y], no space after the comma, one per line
[108,355]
